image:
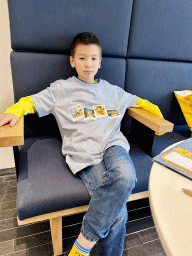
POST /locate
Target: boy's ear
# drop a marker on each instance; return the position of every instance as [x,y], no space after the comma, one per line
[72,61]
[100,63]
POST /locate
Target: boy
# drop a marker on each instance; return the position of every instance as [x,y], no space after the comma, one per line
[89,113]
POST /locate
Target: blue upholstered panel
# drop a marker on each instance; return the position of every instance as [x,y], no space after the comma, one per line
[51,25]
[33,72]
[45,183]
[162,142]
[161,30]
[142,163]
[156,81]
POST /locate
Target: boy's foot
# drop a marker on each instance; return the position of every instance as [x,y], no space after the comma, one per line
[78,250]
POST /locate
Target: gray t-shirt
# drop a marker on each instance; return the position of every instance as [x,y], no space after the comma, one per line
[88,116]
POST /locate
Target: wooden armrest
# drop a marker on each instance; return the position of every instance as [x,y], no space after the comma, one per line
[12,136]
[150,120]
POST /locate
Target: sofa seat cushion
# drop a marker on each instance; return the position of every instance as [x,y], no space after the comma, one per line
[142,163]
[180,132]
[45,183]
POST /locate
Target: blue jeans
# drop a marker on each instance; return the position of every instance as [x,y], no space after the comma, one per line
[109,184]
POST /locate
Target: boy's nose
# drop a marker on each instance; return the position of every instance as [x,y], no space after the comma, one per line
[88,63]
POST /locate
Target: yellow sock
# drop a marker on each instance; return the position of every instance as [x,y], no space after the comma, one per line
[78,250]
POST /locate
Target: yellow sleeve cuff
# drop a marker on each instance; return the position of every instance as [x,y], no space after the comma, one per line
[23,107]
[145,104]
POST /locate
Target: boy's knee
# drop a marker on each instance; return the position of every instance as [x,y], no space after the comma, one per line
[127,181]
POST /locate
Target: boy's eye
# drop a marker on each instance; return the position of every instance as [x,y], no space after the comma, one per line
[82,58]
[94,58]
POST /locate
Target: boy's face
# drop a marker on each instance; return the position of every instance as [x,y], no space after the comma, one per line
[86,61]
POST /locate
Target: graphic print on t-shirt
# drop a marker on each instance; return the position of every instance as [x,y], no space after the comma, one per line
[76,112]
[100,111]
[113,113]
[89,113]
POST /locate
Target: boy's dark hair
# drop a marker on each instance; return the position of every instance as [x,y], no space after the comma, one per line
[84,38]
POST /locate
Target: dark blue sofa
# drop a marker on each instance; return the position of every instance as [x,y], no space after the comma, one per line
[147,50]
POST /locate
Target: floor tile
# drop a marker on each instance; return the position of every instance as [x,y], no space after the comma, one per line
[148,235]
[132,240]
[8,190]
[8,205]
[130,206]
[11,183]
[140,224]
[68,243]
[6,178]
[8,224]
[7,172]
[44,250]
[148,249]
[32,241]
[137,204]
[6,247]
[139,213]
[72,219]
[153,248]
[7,214]
[8,197]
[20,253]
[71,231]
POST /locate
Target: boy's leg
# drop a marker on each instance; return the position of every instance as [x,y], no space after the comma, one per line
[113,244]
[110,184]
[117,160]
[92,177]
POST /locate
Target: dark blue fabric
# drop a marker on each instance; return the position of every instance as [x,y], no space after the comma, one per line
[45,183]
[33,72]
[156,81]
[162,142]
[51,25]
[142,163]
[161,30]
[183,130]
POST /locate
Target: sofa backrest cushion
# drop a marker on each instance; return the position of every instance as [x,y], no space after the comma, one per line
[156,81]
[161,30]
[50,25]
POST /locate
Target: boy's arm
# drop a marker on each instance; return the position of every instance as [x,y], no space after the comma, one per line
[160,124]
[23,107]
[145,104]
[12,136]
[8,119]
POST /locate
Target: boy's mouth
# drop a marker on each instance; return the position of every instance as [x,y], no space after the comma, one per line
[88,72]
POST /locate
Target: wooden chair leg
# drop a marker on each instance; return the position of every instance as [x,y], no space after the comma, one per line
[56,234]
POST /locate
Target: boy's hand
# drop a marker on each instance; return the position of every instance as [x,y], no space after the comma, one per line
[8,119]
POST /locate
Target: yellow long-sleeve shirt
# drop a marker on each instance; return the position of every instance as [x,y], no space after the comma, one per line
[23,107]
[26,106]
